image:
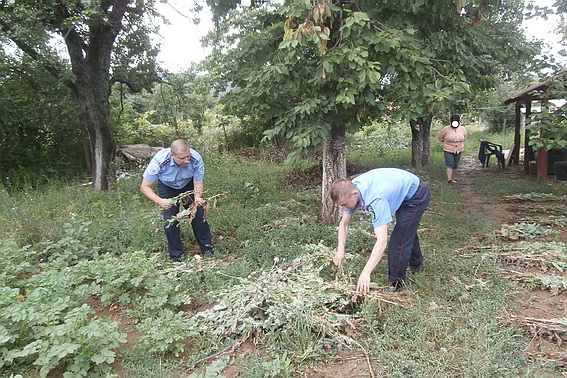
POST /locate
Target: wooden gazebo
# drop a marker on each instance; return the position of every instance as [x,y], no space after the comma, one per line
[537,92]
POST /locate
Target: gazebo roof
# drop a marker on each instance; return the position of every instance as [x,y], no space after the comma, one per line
[531,93]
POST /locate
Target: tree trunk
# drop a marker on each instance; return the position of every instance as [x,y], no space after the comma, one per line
[420,149]
[91,66]
[334,167]
[86,148]
[92,94]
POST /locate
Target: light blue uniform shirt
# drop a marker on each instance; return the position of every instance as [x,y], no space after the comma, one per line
[163,167]
[382,191]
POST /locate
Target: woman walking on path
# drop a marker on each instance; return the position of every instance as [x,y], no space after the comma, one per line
[453,137]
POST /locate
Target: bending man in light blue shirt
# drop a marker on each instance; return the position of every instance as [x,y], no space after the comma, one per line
[177,170]
[383,192]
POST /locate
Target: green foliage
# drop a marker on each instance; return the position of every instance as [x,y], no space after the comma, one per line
[76,244]
[499,118]
[290,302]
[45,323]
[100,37]
[40,131]
[338,65]
[139,129]
[555,283]
[176,107]
[15,263]
[524,231]
[214,369]
[164,332]
[81,343]
[36,217]
[548,128]
[381,138]
[64,330]
[147,365]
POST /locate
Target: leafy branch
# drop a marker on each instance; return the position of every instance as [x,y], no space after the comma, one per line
[548,129]
[536,197]
[291,299]
[524,231]
[189,213]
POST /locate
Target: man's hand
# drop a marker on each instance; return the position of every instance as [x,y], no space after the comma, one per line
[339,258]
[164,204]
[363,285]
[146,189]
[199,201]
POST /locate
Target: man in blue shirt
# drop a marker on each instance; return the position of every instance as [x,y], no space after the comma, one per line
[177,170]
[382,192]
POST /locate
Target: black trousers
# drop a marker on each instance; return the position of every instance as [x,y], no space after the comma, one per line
[403,247]
[560,168]
[200,227]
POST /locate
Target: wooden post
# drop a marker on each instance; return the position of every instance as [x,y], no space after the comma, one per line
[517,128]
[542,161]
[527,149]
[542,155]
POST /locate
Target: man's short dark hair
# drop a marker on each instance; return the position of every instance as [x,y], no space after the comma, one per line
[340,188]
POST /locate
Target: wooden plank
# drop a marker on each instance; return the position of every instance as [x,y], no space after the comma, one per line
[510,154]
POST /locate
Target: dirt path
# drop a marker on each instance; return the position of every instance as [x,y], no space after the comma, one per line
[469,169]
[541,312]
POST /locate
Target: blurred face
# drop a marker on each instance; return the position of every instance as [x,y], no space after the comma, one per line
[348,202]
[182,158]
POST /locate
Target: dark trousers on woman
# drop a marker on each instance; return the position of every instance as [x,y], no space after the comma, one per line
[403,248]
[200,227]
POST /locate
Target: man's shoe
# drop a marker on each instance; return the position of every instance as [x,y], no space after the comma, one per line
[395,288]
[209,250]
[417,268]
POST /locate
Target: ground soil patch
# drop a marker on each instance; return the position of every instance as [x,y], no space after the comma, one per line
[532,309]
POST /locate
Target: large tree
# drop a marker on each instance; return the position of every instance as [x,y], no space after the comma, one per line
[340,64]
[106,41]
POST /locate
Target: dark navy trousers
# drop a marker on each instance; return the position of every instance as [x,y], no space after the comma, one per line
[201,228]
[403,247]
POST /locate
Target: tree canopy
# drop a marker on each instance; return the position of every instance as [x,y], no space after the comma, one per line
[314,72]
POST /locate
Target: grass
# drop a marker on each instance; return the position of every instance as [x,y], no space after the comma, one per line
[111,244]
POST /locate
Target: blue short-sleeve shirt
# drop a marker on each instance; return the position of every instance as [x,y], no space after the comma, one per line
[162,167]
[382,192]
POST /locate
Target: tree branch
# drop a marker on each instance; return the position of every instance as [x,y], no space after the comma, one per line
[57,72]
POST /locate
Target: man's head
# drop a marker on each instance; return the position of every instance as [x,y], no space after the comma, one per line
[344,193]
[180,152]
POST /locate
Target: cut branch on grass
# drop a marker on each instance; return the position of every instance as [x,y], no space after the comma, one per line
[536,197]
[548,220]
[291,299]
[549,357]
[556,284]
[519,231]
[556,328]
[230,348]
[545,256]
